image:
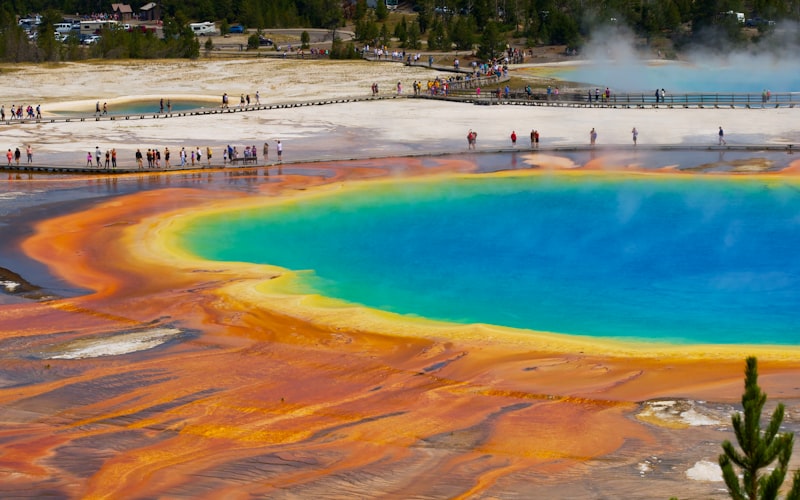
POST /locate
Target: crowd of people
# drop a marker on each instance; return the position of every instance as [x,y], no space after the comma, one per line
[14,157]
[155,158]
[21,112]
[244,100]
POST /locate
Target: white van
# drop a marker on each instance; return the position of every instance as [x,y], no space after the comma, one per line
[206,28]
[63,28]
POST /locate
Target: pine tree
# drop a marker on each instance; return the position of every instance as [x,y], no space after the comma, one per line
[759,448]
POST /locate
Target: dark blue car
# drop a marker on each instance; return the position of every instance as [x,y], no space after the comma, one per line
[236,29]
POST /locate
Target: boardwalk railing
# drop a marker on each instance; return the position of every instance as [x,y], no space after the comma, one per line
[627,100]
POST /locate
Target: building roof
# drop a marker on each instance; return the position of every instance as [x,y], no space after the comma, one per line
[149,6]
[122,8]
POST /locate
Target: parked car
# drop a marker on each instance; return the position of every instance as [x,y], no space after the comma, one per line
[238,28]
[264,41]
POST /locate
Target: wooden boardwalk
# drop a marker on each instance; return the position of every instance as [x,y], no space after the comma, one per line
[93,117]
[275,167]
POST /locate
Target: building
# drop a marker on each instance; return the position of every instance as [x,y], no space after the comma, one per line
[122,11]
[150,12]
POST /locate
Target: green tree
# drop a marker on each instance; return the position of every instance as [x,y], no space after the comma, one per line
[759,448]
[463,33]
[46,39]
[381,10]
[305,39]
[492,43]
[401,31]
[361,9]
[413,40]
[252,42]
[385,38]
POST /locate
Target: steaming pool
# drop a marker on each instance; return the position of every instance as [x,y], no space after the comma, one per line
[737,74]
[686,259]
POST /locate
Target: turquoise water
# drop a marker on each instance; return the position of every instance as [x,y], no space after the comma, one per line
[679,259]
[750,75]
[137,107]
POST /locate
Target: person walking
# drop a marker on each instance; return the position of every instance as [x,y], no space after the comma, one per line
[139,158]
[97,155]
[513,138]
[279,147]
[88,159]
[208,154]
[113,157]
[9,156]
[266,151]
[635,134]
[722,140]
[592,136]
[29,151]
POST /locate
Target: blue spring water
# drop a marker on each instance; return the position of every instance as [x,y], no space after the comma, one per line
[690,259]
[144,107]
[745,75]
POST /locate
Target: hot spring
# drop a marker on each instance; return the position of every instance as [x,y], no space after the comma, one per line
[737,74]
[691,259]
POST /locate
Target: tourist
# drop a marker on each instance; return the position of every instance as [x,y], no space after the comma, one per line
[157,157]
[208,155]
[658,94]
[198,155]
[105,108]
[161,105]
[97,155]
[722,137]
[592,136]
[183,157]
[166,157]
[149,155]
[513,138]
[108,159]
[17,155]
[399,88]
[258,98]
[97,108]
[192,157]
[3,112]
[88,159]
[635,134]
[139,158]
[169,106]
[536,137]
[266,151]
[533,137]
[38,111]
[472,137]
[9,156]
[279,148]
[113,157]
[29,151]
